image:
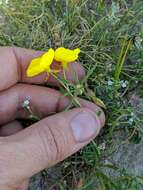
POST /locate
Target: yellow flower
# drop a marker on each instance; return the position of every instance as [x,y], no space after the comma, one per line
[41,64]
[66,56]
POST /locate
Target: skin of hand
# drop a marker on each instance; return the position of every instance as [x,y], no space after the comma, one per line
[24,153]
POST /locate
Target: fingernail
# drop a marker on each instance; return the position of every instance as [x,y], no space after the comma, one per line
[84,126]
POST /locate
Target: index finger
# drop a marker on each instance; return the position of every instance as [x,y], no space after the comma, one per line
[14,62]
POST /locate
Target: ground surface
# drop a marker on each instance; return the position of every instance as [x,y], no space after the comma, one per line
[110,35]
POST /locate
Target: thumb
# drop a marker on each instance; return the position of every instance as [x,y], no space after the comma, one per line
[47,142]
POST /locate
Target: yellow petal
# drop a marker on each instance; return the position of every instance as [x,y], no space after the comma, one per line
[47,59]
[76,51]
[34,68]
[66,55]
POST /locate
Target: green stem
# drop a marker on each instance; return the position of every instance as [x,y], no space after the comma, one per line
[122,58]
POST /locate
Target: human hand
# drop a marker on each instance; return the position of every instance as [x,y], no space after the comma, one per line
[23,153]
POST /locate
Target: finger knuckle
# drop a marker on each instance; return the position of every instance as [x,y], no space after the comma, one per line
[49,141]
